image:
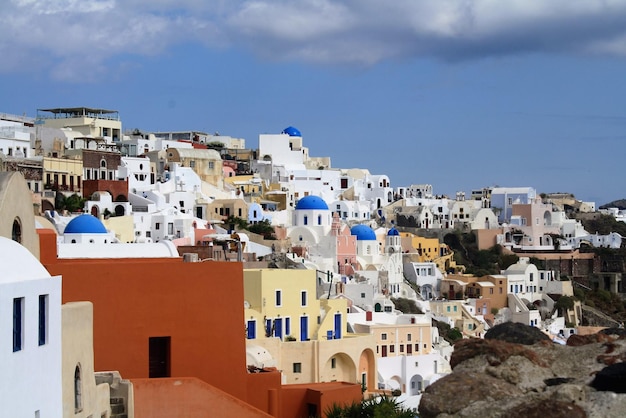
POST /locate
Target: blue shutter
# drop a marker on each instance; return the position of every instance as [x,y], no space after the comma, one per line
[251,334]
[337,326]
[304,328]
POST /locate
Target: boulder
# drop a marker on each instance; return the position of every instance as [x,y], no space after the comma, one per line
[498,377]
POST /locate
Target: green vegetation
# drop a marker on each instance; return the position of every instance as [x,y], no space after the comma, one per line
[215,145]
[407,306]
[382,407]
[447,332]
[478,262]
[263,227]
[607,302]
[604,224]
[564,303]
[72,203]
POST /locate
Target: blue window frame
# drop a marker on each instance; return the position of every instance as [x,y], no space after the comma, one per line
[43,319]
[18,307]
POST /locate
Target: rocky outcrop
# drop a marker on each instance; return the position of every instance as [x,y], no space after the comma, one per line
[595,318]
[532,377]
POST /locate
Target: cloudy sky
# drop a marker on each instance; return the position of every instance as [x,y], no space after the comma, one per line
[459,94]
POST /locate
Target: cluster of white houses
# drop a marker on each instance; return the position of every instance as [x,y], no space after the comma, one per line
[151,194]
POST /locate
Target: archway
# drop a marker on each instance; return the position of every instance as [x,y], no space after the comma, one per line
[95,211]
[119,210]
[417,385]
[339,367]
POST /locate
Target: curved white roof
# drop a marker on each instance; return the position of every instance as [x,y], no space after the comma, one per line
[19,264]
[162,249]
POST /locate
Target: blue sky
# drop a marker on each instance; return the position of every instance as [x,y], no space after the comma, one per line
[459,94]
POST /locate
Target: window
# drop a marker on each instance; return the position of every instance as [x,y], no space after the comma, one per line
[408,337]
[157,226]
[192,164]
[383,336]
[303,298]
[531,277]
[392,348]
[333,363]
[78,390]
[170,228]
[491,290]
[306,220]
[362,295]
[43,319]
[18,323]
[297,367]
[16,232]
[211,165]
[279,297]
[402,348]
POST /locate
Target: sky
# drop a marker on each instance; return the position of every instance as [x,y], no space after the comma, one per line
[459,94]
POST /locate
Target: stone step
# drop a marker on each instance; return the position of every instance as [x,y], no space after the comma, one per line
[118,408]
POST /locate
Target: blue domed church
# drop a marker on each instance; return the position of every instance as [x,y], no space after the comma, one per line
[86,228]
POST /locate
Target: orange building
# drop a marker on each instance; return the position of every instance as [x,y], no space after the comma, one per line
[169,318]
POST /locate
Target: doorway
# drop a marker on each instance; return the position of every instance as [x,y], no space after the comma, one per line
[159,360]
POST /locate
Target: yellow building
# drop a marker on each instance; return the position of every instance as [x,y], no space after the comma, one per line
[305,337]
[429,250]
[63,174]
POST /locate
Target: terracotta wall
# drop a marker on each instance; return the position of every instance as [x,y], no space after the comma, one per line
[189,398]
[198,305]
[115,187]
[316,400]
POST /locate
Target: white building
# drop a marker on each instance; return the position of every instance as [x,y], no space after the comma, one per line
[30,317]
[15,136]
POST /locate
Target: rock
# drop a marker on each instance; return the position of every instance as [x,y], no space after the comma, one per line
[515,332]
[619,333]
[494,378]
[612,378]
[456,391]
[547,408]
[495,351]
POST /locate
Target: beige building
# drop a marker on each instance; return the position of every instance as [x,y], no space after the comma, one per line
[82,396]
[305,337]
[17,220]
[207,163]
[96,123]
[220,209]
[411,336]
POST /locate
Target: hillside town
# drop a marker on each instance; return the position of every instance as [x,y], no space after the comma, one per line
[160,274]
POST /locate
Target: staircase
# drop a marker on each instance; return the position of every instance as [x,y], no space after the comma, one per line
[118,408]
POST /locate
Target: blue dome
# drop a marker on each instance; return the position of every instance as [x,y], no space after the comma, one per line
[312,202]
[393,232]
[291,131]
[85,224]
[363,233]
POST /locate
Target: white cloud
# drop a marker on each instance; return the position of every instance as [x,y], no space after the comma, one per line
[61,33]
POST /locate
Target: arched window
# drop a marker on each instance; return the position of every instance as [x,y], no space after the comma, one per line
[16,233]
[78,390]
[319,219]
